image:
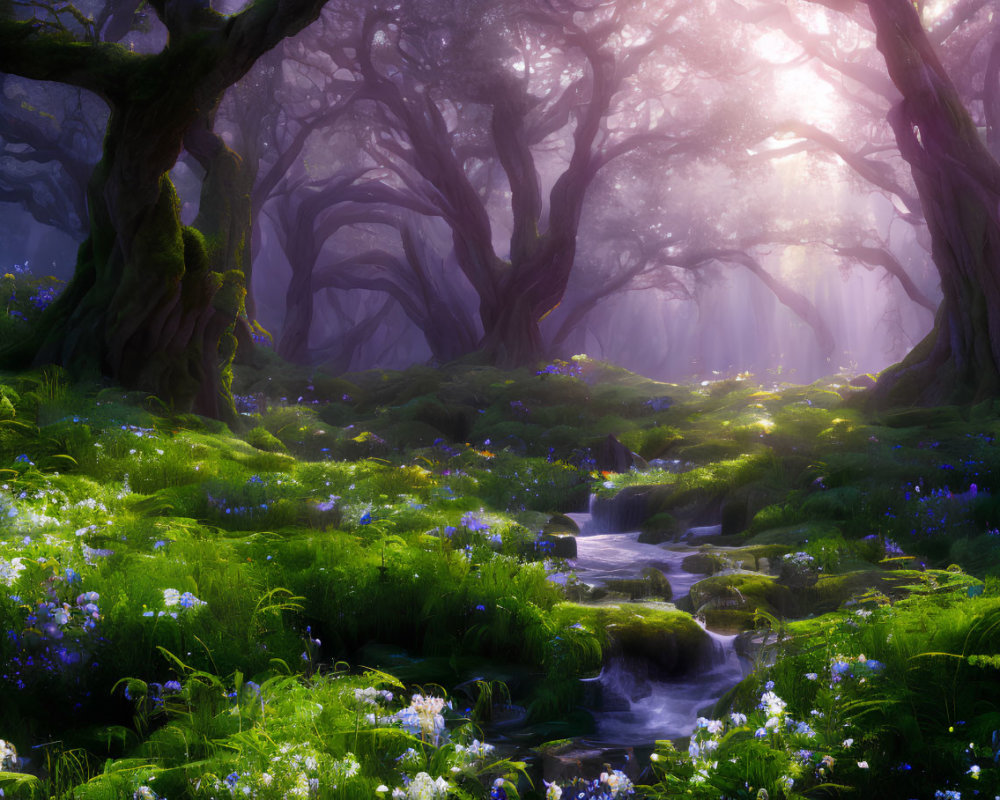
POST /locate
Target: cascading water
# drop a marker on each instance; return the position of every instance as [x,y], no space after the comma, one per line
[634,708]
[630,705]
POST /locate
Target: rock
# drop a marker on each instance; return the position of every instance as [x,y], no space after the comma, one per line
[862,381]
[652,583]
[560,523]
[613,456]
[558,545]
[702,563]
[659,528]
[744,591]
[624,511]
[661,641]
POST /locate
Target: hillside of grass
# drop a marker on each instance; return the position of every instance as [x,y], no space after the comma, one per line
[342,597]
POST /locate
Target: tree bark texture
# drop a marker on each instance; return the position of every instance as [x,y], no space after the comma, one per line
[146,305]
[959,185]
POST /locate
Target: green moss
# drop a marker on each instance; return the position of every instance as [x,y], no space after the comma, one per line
[744,592]
[669,640]
[263,439]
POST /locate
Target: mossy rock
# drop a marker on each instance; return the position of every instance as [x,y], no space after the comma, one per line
[261,438]
[669,641]
[660,528]
[628,509]
[742,504]
[652,584]
[533,520]
[560,523]
[558,545]
[744,591]
[831,591]
[729,620]
[704,563]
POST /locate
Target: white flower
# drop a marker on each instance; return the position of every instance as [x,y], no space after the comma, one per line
[554,792]
[171,597]
[8,756]
[10,570]
[862,765]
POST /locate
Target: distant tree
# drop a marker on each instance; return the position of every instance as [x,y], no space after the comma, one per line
[145,306]
[474,110]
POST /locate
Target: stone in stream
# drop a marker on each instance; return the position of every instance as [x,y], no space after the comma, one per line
[558,545]
[625,511]
[613,456]
[651,583]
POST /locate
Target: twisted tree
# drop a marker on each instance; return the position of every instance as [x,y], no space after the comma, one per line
[145,306]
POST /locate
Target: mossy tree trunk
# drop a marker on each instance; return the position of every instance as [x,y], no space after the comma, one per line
[959,185]
[147,306]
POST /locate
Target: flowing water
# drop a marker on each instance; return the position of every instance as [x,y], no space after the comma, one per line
[629,706]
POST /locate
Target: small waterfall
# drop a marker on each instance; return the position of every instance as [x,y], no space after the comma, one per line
[631,703]
[633,708]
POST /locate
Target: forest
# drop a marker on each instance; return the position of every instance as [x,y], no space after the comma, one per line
[499,399]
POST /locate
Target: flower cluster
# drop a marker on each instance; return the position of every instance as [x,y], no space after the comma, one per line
[611,785]
[371,696]
[423,717]
[860,668]
[8,756]
[422,787]
[559,367]
[10,570]
[185,601]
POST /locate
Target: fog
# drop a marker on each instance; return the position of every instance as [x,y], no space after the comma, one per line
[688,190]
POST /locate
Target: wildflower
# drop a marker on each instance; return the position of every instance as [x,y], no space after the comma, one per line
[188,600]
[617,782]
[862,765]
[171,597]
[552,791]
[974,771]
[144,793]
[423,717]
[10,570]
[772,705]
[8,756]
[737,718]
[811,676]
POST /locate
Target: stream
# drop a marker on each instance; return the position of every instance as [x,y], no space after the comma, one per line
[629,707]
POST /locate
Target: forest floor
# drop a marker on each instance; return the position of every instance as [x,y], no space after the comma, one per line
[369,590]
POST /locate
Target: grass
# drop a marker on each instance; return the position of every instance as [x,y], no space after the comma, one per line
[393,521]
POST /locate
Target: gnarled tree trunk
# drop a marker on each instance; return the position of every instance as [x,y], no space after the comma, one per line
[959,185]
[145,306]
